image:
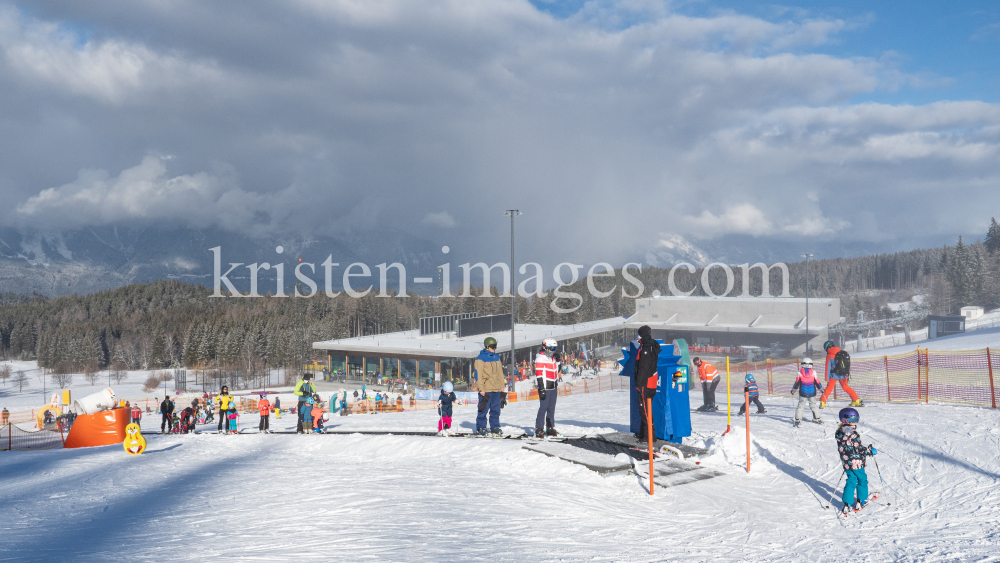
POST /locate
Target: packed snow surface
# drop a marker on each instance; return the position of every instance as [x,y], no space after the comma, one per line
[210,497]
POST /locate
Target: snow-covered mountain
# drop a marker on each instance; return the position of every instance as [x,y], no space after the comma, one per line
[94,259]
[738,249]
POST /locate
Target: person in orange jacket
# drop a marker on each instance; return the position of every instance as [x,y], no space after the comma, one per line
[264,407]
[833,378]
[710,378]
[317,413]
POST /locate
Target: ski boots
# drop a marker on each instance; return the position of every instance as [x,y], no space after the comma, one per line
[762,411]
[818,420]
[496,432]
[858,403]
[482,432]
[551,432]
[847,510]
[539,433]
[796,423]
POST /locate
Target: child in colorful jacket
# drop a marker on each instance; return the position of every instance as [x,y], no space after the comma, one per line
[852,456]
[751,386]
[807,385]
[317,413]
[232,415]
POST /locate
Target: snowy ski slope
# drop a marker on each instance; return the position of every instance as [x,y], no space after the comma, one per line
[410,498]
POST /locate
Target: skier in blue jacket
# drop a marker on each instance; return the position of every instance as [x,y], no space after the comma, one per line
[751,386]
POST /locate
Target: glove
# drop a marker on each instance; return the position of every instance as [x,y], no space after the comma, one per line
[483,404]
[872,450]
[541,394]
[503,400]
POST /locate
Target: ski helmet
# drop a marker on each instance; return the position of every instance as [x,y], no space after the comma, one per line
[490,342]
[263,394]
[448,387]
[550,343]
[750,378]
[849,414]
[807,362]
[828,344]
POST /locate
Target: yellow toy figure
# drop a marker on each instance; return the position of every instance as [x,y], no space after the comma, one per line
[134,442]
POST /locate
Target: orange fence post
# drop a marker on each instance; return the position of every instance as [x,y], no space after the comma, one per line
[746,401]
[770,384]
[989,365]
[927,377]
[649,437]
[888,392]
[920,360]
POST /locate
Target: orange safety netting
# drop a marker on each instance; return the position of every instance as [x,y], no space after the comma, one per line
[963,377]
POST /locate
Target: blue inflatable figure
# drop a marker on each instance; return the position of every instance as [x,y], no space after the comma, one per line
[671,404]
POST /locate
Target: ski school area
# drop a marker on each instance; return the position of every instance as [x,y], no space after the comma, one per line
[384,486]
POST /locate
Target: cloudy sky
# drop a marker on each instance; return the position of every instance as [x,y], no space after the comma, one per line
[607,123]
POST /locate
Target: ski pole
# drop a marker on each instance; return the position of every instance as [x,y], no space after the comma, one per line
[880,478]
[835,490]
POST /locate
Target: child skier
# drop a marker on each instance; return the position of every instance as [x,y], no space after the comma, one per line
[264,407]
[751,386]
[306,416]
[852,456]
[445,402]
[807,384]
[317,413]
[232,416]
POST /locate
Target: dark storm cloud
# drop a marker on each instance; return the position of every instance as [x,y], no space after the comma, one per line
[433,117]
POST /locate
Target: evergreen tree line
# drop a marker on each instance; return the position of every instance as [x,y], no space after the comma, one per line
[169,324]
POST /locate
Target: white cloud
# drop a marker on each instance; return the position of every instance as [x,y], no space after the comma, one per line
[743,218]
[111,70]
[441,219]
[145,193]
[330,114]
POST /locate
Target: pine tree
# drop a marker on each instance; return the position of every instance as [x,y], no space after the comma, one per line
[993,236]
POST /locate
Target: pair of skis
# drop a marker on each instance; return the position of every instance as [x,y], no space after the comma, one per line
[873,501]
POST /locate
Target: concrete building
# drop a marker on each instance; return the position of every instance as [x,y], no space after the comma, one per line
[739,321]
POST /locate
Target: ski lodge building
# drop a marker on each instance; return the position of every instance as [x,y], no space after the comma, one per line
[448,344]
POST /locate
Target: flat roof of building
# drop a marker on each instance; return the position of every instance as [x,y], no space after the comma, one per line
[410,344]
[761,315]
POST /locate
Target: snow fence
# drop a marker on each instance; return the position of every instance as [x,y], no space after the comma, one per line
[960,377]
[13,437]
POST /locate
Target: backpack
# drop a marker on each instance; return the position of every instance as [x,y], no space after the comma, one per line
[842,363]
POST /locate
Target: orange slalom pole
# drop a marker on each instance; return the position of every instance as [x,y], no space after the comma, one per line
[746,401]
[649,438]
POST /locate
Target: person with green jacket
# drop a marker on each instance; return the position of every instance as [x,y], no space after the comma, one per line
[303,390]
[488,373]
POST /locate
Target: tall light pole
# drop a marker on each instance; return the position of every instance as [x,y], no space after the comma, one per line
[513,288]
[807,257]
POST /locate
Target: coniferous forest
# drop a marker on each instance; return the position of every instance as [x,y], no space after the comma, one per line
[168,324]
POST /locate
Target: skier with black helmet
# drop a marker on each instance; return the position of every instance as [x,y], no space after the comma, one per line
[838,370]
[852,456]
[646,377]
[490,381]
